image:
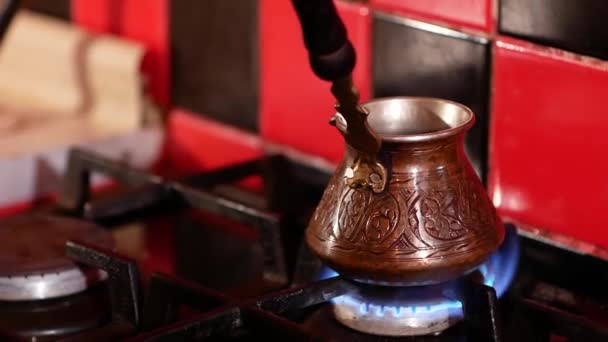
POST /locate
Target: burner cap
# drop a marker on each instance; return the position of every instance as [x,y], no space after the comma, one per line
[33,264]
[394,311]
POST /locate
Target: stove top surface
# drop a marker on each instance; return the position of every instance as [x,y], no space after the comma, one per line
[34,244]
[33,264]
[200,257]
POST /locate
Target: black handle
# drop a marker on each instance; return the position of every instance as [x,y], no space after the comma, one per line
[331,55]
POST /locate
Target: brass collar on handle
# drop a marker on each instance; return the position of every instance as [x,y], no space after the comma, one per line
[351,121]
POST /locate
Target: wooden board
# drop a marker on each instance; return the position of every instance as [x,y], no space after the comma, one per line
[61,85]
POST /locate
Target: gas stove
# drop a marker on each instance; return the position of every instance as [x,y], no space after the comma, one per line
[220,256]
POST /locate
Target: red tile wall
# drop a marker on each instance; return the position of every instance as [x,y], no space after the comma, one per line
[295,106]
[548,165]
[547,118]
[477,14]
[194,143]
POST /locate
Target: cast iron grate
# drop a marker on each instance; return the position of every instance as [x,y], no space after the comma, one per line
[224,317]
[219,314]
[157,312]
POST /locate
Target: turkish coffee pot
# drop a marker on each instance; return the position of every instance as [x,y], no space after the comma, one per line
[404,206]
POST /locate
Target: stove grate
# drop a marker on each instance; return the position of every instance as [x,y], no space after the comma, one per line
[174,309]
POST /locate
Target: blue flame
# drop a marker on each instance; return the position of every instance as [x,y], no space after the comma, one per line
[498,272]
[501,267]
[327,273]
[398,311]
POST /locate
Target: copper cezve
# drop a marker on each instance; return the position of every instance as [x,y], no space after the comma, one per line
[427,219]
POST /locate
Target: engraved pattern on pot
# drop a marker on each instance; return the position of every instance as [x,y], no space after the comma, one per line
[382,220]
[353,207]
[411,198]
[328,204]
[440,211]
[424,222]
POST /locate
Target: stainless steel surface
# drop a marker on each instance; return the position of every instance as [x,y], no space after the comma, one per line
[49,285]
[559,240]
[33,264]
[410,119]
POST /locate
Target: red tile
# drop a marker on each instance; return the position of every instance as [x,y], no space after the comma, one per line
[142,21]
[93,15]
[548,165]
[194,143]
[295,106]
[21,207]
[475,14]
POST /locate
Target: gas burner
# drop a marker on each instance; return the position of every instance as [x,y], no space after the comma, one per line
[51,319]
[421,310]
[397,311]
[33,264]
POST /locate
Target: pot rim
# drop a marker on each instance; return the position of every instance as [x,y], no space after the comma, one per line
[429,136]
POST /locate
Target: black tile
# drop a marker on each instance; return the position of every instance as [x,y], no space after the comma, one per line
[55,8]
[578,26]
[214,47]
[409,59]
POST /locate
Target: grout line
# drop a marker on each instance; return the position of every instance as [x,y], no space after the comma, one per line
[433,28]
[530,48]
